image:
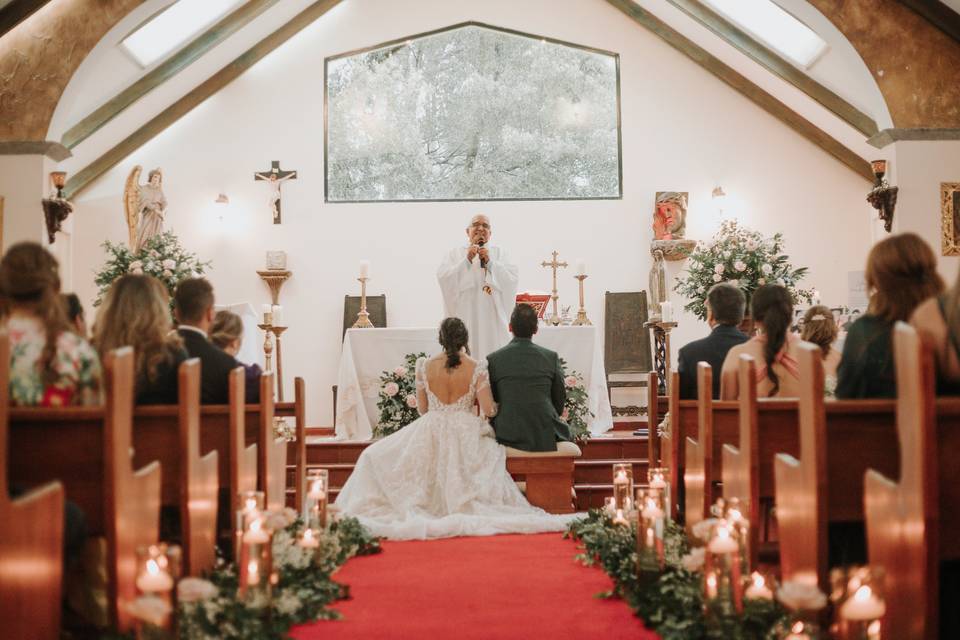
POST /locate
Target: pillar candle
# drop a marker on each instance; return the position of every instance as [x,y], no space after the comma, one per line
[666,311]
[277,315]
[581,267]
[364,268]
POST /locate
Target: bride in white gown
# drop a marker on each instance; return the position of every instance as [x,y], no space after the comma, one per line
[444,474]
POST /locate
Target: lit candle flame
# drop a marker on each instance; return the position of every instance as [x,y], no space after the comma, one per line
[758,580]
[863,594]
[152,567]
[251,504]
[797,627]
[308,535]
[255,525]
[723,532]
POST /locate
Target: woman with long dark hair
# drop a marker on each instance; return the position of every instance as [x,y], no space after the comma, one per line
[774,348]
[443,474]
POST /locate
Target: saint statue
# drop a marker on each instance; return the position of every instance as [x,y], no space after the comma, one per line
[658,284]
[479,286]
[145,207]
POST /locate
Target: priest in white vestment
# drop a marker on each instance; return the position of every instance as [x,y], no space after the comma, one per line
[479,286]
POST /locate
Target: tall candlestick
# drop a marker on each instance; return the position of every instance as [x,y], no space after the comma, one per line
[363,318]
[582,319]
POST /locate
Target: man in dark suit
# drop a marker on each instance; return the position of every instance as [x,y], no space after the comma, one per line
[725,306]
[193,306]
[527,382]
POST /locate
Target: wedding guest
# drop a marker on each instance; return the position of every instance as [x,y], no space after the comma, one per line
[820,328]
[901,273]
[136,313]
[725,305]
[774,348]
[193,305]
[74,310]
[226,332]
[937,320]
[50,365]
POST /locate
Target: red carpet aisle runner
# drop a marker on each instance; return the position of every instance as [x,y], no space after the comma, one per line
[499,587]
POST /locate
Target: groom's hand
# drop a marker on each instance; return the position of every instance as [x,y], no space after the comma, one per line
[472,252]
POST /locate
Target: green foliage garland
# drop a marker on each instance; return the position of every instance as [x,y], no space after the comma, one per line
[162,257]
[742,257]
[670,602]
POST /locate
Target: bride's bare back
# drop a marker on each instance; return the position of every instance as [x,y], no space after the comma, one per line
[450,385]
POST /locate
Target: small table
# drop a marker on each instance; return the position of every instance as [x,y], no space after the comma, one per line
[367,353]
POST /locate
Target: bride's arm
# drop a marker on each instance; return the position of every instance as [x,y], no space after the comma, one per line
[488,407]
[422,405]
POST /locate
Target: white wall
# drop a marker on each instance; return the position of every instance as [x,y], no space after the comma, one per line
[23,184]
[682,130]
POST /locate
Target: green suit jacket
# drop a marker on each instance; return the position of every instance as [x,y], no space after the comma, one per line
[527,382]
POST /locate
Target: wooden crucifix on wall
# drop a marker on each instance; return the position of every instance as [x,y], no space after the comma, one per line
[276,177]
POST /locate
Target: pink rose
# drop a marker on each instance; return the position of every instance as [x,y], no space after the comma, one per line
[400,371]
[391,389]
[570,381]
[565,415]
[412,401]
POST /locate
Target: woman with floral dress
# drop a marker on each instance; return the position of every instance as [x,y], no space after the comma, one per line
[50,366]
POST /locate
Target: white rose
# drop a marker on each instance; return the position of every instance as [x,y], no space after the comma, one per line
[570,381]
[391,389]
[693,560]
[718,268]
[412,401]
[751,245]
[727,254]
[717,277]
[739,265]
[766,269]
[150,609]
[195,589]
[701,289]
[400,371]
[169,264]
[801,595]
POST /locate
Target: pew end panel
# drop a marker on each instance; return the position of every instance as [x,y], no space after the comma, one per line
[300,401]
[272,464]
[699,454]
[670,444]
[243,459]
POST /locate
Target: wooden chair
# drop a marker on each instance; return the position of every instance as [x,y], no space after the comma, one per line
[902,517]
[299,482]
[243,467]
[272,464]
[741,464]
[801,484]
[31,547]
[699,454]
[626,345]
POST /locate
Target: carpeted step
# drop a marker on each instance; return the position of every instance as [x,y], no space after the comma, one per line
[601,471]
[334,451]
[616,446]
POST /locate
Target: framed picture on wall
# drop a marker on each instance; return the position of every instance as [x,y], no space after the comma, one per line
[950,218]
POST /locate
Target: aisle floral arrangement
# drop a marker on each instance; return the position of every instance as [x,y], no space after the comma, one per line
[744,258]
[397,400]
[162,257]
[670,599]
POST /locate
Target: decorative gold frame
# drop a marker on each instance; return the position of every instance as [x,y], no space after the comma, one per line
[949,210]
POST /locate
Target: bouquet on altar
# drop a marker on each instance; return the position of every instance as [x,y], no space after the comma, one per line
[576,409]
[743,258]
[397,401]
[162,257]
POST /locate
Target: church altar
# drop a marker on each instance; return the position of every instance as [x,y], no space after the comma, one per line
[367,353]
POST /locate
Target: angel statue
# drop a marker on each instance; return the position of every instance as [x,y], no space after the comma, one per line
[145,207]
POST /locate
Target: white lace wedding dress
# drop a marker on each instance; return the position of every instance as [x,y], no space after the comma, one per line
[442,475]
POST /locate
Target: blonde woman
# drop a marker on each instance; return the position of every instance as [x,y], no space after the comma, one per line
[226,332]
[136,313]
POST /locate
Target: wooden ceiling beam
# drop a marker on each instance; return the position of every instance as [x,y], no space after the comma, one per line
[745,87]
[938,14]
[195,97]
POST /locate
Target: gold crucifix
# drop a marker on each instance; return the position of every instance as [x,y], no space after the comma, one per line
[554,318]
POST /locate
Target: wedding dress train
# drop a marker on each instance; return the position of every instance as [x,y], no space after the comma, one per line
[442,475]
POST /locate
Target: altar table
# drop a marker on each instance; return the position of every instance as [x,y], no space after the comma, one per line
[367,353]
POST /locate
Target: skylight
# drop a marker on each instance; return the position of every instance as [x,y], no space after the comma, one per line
[775,27]
[172,27]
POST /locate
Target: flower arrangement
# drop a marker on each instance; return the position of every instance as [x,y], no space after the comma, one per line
[397,401]
[576,409]
[162,257]
[744,258]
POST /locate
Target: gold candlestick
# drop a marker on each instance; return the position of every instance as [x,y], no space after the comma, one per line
[363,318]
[554,318]
[266,327]
[276,332]
[582,320]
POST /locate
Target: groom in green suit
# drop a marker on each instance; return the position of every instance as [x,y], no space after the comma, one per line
[527,383]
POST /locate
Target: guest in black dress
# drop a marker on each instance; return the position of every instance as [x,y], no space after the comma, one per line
[136,313]
[901,273]
[226,332]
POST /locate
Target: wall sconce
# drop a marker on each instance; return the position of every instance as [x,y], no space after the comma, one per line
[883,197]
[719,199]
[56,208]
[222,201]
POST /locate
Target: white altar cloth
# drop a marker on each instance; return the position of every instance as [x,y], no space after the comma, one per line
[367,353]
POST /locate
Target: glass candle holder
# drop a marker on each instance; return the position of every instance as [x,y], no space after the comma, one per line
[657,481]
[158,568]
[759,586]
[623,485]
[732,512]
[251,506]
[798,629]
[858,605]
[256,563]
[722,561]
[650,531]
[315,499]
[610,506]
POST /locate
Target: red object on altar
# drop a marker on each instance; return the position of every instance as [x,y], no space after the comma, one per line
[538,301]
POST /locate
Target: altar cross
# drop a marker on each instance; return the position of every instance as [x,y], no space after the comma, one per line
[554,264]
[276,177]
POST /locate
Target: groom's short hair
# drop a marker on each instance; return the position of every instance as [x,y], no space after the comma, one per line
[523,321]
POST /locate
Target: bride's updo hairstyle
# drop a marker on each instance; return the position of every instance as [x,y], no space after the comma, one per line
[453,338]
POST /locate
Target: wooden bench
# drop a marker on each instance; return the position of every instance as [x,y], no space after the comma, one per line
[31,546]
[548,475]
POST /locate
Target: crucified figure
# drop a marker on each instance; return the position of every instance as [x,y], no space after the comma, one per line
[276,177]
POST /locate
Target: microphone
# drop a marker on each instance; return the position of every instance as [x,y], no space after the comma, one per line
[483,263]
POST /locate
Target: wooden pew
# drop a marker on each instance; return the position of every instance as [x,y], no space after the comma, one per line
[300,445]
[740,469]
[669,449]
[699,454]
[88,449]
[31,546]
[902,517]
[272,452]
[243,470]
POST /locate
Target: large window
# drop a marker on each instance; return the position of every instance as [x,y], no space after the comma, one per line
[472,113]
